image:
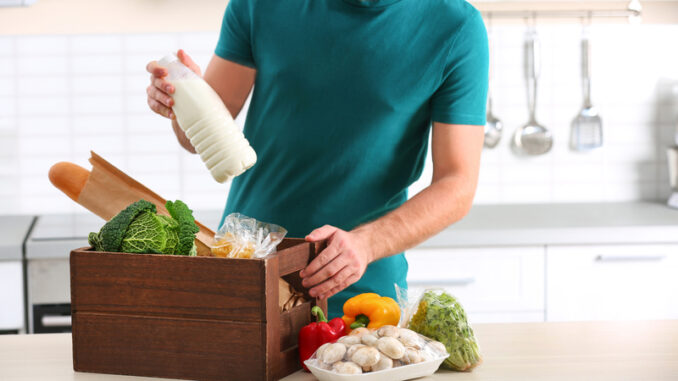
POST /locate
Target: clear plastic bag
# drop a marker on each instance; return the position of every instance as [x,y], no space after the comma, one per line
[244,237]
[439,315]
[397,352]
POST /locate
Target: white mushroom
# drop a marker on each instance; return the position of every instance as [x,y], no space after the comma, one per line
[388,330]
[370,339]
[410,338]
[384,363]
[319,351]
[333,353]
[391,347]
[346,367]
[366,356]
[437,347]
[411,356]
[359,331]
[351,350]
[349,340]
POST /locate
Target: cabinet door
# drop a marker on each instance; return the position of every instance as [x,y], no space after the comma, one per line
[612,282]
[493,284]
[11,296]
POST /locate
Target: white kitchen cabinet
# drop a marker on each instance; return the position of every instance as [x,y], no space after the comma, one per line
[11,296]
[612,282]
[493,284]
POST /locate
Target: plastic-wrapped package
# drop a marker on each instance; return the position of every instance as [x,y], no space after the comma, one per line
[202,115]
[244,237]
[386,353]
[438,315]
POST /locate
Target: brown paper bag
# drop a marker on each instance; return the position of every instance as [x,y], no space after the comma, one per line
[109,190]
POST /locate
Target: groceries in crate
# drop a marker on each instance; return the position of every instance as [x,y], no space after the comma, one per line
[244,237]
[201,114]
[138,229]
[370,310]
[367,350]
[312,336]
[440,316]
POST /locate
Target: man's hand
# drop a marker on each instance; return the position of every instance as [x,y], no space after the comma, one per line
[340,265]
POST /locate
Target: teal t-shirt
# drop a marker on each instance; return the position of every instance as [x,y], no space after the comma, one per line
[343,101]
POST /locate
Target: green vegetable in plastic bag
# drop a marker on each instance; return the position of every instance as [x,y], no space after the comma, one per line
[440,316]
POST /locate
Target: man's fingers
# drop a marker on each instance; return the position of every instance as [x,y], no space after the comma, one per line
[325,257]
[159,108]
[154,68]
[321,233]
[324,273]
[162,85]
[340,281]
[159,96]
[188,61]
[352,279]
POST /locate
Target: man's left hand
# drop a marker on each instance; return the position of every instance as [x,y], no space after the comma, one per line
[341,264]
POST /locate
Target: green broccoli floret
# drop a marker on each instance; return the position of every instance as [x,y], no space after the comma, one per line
[441,317]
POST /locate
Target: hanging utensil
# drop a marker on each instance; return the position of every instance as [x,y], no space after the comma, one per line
[493,126]
[532,138]
[587,127]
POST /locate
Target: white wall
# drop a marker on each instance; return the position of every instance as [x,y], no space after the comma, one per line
[62,95]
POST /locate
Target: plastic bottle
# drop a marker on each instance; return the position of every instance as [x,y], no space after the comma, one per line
[201,114]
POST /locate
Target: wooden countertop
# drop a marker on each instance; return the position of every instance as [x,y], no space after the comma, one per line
[529,351]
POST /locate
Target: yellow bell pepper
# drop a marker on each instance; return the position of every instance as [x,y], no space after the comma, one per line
[370,310]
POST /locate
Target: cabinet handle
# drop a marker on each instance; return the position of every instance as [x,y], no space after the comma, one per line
[629,258]
[442,282]
[56,321]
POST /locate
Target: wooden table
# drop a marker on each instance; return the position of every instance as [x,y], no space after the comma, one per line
[600,351]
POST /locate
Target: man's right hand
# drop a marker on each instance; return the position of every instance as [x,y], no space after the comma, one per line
[159,92]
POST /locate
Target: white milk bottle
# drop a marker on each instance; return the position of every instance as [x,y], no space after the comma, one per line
[201,114]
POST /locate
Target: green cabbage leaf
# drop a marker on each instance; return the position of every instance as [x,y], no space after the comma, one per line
[138,229]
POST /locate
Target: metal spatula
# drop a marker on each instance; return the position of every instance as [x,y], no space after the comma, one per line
[587,127]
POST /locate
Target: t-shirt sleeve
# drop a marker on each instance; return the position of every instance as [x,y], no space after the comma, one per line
[462,96]
[235,38]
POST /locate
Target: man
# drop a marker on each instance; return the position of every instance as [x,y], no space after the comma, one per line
[345,92]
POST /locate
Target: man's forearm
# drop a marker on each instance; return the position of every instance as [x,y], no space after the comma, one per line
[444,202]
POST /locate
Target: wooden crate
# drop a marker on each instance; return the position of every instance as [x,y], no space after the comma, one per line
[199,318]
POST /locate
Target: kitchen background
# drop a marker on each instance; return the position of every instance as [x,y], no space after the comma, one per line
[74,83]
[65,94]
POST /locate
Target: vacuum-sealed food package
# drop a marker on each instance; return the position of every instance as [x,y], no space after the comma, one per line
[386,353]
[244,237]
[440,316]
[202,115]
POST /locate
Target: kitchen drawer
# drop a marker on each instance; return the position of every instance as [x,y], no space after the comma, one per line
[11,296]
[612,282]
[493,284]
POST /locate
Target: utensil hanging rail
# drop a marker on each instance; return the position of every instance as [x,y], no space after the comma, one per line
[565,13]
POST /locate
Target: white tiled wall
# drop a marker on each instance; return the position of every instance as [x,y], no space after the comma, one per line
[635,88]
[61,96]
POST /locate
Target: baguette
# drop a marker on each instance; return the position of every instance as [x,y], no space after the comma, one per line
[69,178]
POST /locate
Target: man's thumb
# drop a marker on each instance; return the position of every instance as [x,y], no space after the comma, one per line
[321,233]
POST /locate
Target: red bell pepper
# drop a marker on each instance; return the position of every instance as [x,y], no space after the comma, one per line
[312,336]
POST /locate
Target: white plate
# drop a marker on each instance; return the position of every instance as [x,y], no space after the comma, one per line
[405,372]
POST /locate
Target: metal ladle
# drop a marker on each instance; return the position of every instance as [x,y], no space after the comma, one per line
[532,138]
